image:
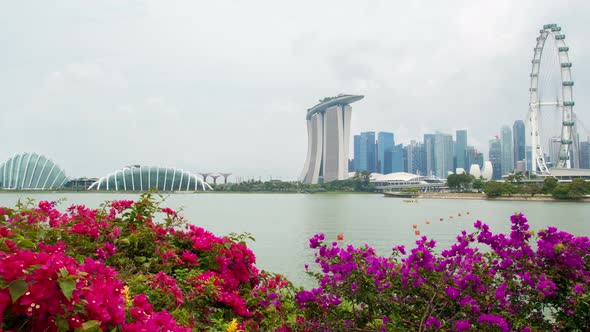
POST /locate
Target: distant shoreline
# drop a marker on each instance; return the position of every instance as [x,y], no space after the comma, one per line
[481,196]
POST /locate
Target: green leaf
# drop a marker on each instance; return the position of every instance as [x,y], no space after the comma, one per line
[67,287]
[17,288]
[90,326]
[26,244]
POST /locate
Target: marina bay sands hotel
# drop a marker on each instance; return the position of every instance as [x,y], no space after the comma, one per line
[328,136]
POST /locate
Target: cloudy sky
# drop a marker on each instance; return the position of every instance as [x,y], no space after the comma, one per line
[224,85]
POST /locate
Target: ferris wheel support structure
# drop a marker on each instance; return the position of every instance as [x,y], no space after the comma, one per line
[565,104]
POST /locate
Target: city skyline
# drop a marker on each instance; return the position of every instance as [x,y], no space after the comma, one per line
[211,87]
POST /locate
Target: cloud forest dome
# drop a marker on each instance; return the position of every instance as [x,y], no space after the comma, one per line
[31,171]
[141,178]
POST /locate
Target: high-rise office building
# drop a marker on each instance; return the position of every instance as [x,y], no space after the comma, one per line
[460,146]
[416,164]
[328,134]
[397,159]
[368,152]
[479,159]
[529,155]
[470,157]
[519,141]
[357,153]
[385,142]
[507,154]
[495,157]
[443,155]
[429,153]
[585,154]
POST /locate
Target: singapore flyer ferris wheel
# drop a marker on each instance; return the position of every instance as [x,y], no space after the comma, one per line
[551,92]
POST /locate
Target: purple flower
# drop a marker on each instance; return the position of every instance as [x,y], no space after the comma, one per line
[452,292]
[462,325]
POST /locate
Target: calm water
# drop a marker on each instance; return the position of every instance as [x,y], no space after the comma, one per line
[283,223]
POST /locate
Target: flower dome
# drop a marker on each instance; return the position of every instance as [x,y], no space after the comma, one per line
[142,178]
[31,171]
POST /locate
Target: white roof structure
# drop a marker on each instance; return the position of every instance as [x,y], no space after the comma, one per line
[394,177]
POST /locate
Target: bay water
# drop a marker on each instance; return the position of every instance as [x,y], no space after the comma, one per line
[283,223]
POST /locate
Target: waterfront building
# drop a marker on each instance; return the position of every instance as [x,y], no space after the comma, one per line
[398,181]
[507,154]
[487,171]
[385,143]
[519,141]
[31,171]
[143,178]
[443,155]
[479,158]
[495,158]
[475,171]
[585,154]
[460,149]
[328,134]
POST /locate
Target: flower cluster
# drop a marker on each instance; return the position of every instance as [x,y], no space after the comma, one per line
[129,266]
[484,281]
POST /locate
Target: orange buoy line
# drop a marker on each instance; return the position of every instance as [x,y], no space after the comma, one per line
[441,219]
[414,226]
[427,222]
[417,232]
[340,237]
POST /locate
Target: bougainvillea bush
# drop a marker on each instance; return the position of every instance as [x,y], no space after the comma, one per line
[129,266]
[519,281]
[136,266]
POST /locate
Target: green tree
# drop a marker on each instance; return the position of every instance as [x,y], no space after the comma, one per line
[561,191]
[549,184]
[578,189]
[508,188]
[478,184]
[531,189]
[493,188]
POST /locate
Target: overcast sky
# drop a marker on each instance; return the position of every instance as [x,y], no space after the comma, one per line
[223,86]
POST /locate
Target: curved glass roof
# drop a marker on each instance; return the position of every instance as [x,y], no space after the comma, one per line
[142,178]
[31,171]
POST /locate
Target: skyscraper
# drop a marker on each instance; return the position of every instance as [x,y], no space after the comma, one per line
[397,159]
[585,154]
[519,141]
[429,153]
[368,152]
[416,163]
[328,131]
[507,154]
[460,146]
[470,157]
[357,153]
[496,157]
[443,155]
[385,142]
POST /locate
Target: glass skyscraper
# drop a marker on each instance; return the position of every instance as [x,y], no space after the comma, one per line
[460,146]
[496,157]
[385,143]
[519,141]
[443,155]
[507,155]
